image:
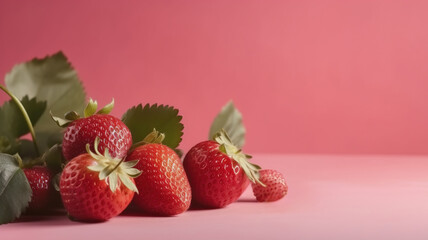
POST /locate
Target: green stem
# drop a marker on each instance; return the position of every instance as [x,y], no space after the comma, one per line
[115,167]
[26,117]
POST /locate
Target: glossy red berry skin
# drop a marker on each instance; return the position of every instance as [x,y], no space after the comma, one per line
[40,182]
[163,186]
[276,187]
[86,197]
[113,133]
[215,178]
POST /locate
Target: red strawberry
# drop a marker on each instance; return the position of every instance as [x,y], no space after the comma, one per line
[163,185]
[275,188]
[218,172]
[114,134]
[94,187]
[40,182]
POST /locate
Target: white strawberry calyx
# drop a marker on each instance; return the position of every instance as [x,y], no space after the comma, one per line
[228,148]
[90,110]
[113,169]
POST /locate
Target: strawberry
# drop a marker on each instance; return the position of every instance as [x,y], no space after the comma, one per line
[97,187]
[163,185]
[39,178]
[275,188]
[218,171]
[114,134]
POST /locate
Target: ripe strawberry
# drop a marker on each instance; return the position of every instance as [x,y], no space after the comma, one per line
[163,185]
[97,187]
[218,172]
[40,182]
[275,188]
[114,134]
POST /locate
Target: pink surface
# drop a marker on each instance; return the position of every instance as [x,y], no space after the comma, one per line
[312,76]
[330,197]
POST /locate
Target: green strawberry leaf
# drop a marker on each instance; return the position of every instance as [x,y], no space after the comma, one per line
[165,119]
[8,145]
[13,123]
[15,191]
[27,150]
[55,181]
[179,152]
[229,119]
[51,79]
[48,139]
[54,158]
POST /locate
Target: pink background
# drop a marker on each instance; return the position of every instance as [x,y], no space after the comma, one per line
[309,76]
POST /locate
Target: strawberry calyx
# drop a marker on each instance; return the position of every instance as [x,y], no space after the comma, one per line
[153,137]
[114,170]
[90,109]
[92,106]
[228,148]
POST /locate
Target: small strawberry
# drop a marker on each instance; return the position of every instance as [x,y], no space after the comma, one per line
[97,187]
[275,188]
[114,134]
[163,185]
[39,178]
[218,172]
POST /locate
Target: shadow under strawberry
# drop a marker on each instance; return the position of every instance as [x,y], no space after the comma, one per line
[247,200]
[132,211]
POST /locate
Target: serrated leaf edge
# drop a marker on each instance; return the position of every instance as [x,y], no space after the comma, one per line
[148,107]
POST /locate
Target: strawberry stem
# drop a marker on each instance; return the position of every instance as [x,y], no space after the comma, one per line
[115,167]
[25,115]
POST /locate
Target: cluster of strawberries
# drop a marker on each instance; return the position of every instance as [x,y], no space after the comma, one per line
[104,172]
